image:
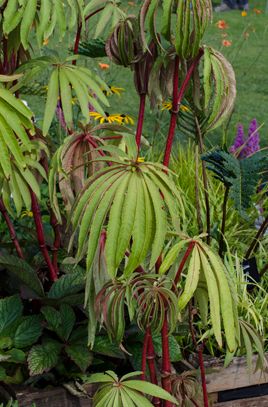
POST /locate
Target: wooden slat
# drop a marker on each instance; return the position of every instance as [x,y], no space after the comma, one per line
[234,376]
[252,402]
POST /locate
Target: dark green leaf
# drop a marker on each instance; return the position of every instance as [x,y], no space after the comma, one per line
[10,310]
[22,270]
[174,348]
[80,355]
[42,358]
[28,332]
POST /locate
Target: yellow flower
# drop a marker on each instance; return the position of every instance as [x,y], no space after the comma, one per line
[168,106]
[112,118]
[113,90]
[140,160]
[127,119]
[28,214]
[244,13]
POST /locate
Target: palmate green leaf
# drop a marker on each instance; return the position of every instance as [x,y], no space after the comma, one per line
[45,16]
[150,389]
[227,303]
[137,214]
[97,197]
[11,141]
[27,21]
[114,227]
[136,398]
[127,221]
[201,297]
[98,220]
[66,98]
[192,279]
[214,297]
[129,392]
[5,158]
[52,100]
[160,222]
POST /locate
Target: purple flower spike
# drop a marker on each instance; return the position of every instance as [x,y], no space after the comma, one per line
[253,143]
[239,139]
[60,116]
[244,147]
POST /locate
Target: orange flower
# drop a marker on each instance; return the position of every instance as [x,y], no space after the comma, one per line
[244,13]
[226,43]
[257,11]
[222,25]
[104,67]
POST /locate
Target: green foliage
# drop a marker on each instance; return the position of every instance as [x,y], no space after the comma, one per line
[23,272]
[94,48]
[43,357]
[47,16]
[206,270]
[66,80]
[125,392]
[127,193]
[109,15]
[240,176]
[184,31]
[20,154]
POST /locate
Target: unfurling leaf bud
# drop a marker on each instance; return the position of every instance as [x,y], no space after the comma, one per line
[124,45]
[184,31]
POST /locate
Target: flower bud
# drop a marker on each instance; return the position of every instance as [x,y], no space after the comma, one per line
[124,45]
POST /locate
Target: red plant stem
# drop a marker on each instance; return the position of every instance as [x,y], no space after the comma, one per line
[200,349]
[140,120]
[11,229]
[55,226]
[77,40]
[177,98]
[41,237]
[183,261]
[144,354]
[151,365]
[203,375]
[166,364]
[57,239]
[174,112]
[79,30]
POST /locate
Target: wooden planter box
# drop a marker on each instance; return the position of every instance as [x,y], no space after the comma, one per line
[51,397]
[235,386]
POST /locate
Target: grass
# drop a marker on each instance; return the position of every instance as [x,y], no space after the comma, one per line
[248,36]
